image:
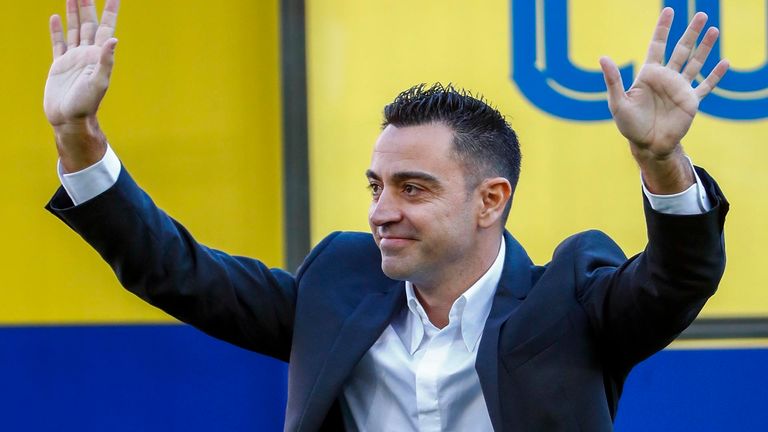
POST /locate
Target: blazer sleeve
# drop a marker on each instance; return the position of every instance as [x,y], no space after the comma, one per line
[640,305]
[233,298]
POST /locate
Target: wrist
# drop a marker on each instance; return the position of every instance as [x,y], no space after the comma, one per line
[80,143]
[665,174]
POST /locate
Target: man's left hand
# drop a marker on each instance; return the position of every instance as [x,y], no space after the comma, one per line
[657,111]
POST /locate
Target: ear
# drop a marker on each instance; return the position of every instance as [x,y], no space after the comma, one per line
[494,193]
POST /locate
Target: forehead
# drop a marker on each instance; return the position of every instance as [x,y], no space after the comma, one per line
[426,148]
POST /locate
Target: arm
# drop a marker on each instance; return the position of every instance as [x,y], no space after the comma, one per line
[639,306]
[233,298]
[236,299]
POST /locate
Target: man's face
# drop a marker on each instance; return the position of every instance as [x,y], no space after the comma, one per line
[421,215]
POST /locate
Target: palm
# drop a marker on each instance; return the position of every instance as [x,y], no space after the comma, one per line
[659,108]
[82,65]
[71,91]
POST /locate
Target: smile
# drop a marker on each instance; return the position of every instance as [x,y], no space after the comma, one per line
[394,242]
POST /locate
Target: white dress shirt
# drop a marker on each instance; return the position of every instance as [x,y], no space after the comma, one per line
[419,377]
[415,376]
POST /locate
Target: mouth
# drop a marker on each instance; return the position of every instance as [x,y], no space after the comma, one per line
[391,243]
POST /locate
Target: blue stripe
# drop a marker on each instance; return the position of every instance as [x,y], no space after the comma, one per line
[174,378]
[697,390]
[134,378]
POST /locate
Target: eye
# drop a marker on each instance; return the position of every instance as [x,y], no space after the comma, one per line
[410,189]
[375,189]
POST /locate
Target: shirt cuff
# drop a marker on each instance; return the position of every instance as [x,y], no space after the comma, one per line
[691,201]
[93,180]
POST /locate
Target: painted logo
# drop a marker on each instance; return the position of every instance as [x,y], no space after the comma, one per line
[544,73]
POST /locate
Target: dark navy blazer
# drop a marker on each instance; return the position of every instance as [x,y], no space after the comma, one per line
[555,351]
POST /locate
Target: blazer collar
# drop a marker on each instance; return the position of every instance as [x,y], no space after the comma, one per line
[516,276]
[360,330]
[513,287]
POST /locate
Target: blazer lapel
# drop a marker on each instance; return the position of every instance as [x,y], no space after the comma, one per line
[356,336]
[513,288]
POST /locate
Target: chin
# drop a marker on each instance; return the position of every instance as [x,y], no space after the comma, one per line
[393,270]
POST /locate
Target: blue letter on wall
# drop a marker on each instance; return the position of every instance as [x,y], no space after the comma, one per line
[542,69]
[741,94]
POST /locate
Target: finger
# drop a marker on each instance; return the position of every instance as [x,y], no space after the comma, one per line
[57,36]
[700,55]
[108,22]
[88,23]
[103,70]
[685,45]
[706,86]
[73,24]
[613,83]
[660,34]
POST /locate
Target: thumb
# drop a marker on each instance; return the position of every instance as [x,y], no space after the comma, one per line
[613,82]
[106,61]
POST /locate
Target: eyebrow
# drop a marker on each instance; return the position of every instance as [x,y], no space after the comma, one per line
[403,176]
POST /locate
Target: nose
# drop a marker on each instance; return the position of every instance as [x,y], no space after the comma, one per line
[384,210]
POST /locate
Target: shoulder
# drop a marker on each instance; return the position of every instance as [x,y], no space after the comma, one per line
[344,252]
[589,249]
[347,243]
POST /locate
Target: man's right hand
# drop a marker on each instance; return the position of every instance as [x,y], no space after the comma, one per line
[78,79]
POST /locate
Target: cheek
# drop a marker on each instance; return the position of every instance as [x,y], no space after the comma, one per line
[455,215]
[370,222]
[372,226]
[454,228]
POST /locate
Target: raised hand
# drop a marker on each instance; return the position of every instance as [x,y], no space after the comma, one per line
[79,78]
[657,111]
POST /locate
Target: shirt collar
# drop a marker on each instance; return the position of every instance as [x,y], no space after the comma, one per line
[471,309]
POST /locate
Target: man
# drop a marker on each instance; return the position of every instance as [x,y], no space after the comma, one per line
[439,321]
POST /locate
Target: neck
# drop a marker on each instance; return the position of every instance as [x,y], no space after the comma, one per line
[438,297]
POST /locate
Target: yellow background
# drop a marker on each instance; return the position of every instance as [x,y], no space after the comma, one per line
[575,176]
[194,114]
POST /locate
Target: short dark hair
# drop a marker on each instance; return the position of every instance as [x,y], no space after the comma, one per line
[483,140]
